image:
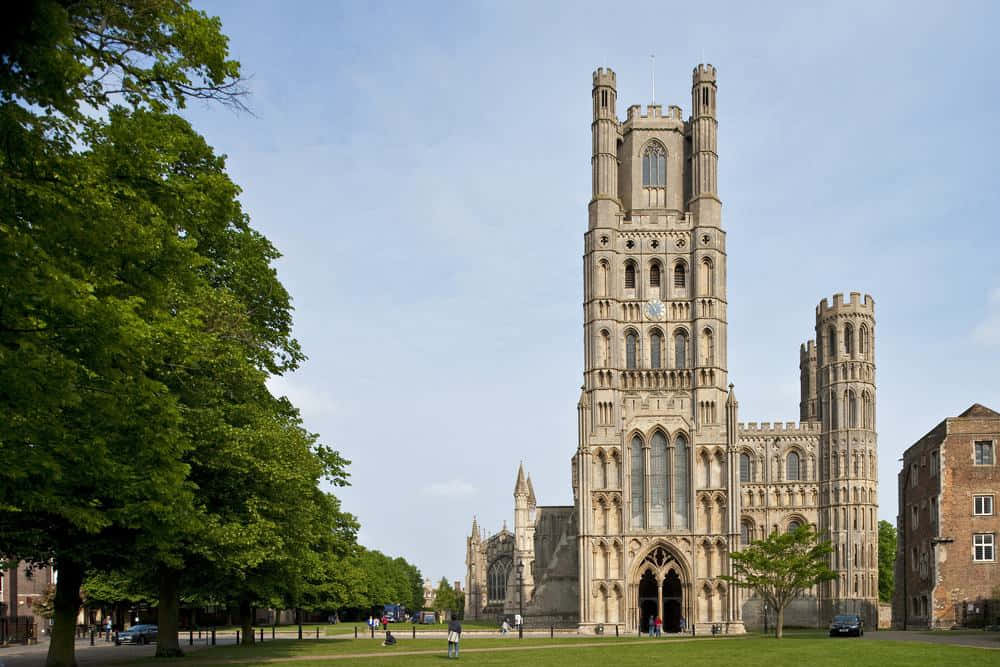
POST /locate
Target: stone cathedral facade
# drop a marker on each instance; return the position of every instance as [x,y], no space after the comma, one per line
[666,480]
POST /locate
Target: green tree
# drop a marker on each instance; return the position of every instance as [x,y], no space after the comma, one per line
[886,560]
[444,597]
[781,567]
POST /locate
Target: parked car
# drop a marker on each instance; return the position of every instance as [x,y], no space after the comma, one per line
[847,624]
[137,634]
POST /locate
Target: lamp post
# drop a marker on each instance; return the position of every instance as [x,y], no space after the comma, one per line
[520,598]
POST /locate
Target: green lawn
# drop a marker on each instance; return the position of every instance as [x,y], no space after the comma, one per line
[809,649]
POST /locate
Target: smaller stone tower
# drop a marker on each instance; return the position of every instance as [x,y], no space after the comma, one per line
[809,403]
[705,202]
[474,568]
[845,353]
[524,530]
[604,160]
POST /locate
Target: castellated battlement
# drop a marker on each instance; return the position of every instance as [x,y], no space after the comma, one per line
[855,305]
[807,350]
[604,77]
[703,74]
[799,427]
[653,112]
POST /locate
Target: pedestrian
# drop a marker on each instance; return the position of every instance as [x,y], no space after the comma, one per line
[389,639]
[454,635]
[651,626]
[107,629]
[683,624]
[517,622]
[504,627]
[659,626]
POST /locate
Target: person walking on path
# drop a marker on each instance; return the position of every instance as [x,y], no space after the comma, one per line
[107,629]
[517,622]
[659,626]
[651,626]
[454,635]
[504,628]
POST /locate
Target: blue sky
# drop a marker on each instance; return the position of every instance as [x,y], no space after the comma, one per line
[425,170]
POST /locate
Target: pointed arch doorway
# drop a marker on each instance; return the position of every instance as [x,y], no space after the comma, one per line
[660,591]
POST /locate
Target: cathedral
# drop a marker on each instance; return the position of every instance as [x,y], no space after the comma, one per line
[666,480]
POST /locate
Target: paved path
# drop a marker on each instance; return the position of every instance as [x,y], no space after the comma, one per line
[989,640]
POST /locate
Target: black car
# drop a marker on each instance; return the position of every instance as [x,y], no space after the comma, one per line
[844,625]
[137,634]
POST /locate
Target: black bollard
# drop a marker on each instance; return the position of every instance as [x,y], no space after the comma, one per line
[414,632]
[213,635]
[190,637]
[355,632]
[616,629]
[317,632]
[300,631]
[552,631]
[272,632]
[373,631]
[92,636]
[237,637]
[262,635]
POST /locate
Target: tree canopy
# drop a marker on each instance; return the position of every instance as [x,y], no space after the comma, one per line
[886,560]
[781,567]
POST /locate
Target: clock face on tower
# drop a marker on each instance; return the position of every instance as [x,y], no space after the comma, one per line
[655,310]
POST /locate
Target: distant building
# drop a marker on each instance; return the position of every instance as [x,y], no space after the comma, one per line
[21,587]
[946,557]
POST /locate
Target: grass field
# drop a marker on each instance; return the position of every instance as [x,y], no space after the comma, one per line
[809,649]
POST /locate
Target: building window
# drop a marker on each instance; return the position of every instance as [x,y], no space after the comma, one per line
[630,345]
[680,275]
[680,349]
[638,484]
[630,276]
[682,470]
[793,526]
[744,467]
[982,547]
[654,275]
[831,343]
[659,489]
[655,345]
[849,340]
[792,467]
[707,283]
[746,532]
[983,505]
[709,344]
[852,409]
[984,453]
[914,516]
[497,579]
[654,167]
[934,463]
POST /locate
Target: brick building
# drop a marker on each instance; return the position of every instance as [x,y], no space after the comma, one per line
[946,558]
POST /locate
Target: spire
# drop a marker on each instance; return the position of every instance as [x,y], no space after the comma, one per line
[531,493]
[475,526]
[731,400]
[521,487]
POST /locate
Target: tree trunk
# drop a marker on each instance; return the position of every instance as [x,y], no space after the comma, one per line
[246,620]
[167,644]
[780,622]
[65,607]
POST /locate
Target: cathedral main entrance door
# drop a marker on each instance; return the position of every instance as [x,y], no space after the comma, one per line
[672,602]
[647,600]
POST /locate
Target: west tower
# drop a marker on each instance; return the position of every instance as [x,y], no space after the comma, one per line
[650,478]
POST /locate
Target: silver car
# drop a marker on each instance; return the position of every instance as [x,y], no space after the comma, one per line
[137,634]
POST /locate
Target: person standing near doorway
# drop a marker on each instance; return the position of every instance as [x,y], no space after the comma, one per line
[652,626]
[659,626]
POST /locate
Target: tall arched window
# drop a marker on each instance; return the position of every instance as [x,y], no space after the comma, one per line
[496,581]
[745,467]
[849,340]
[852,409]
[602,278]
[746,532]
[682,466]
[638,484]
[831,343]
[629,275]
[655,347]
[631,342]
[654,167]
[680,274]
[659,488]
[708,348]
[654,275]
[792,467]
[834,410]
[605,349]
[680,349]
[793,525]
[706,281]
[863,343]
